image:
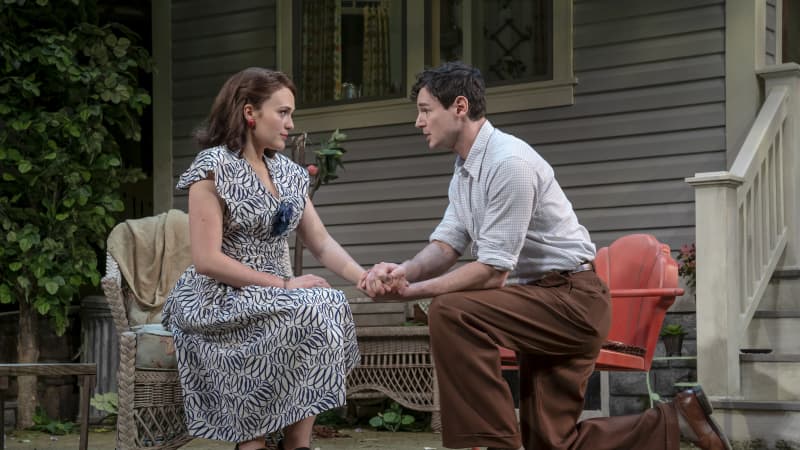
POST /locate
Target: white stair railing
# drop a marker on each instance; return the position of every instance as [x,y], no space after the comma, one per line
[747,223]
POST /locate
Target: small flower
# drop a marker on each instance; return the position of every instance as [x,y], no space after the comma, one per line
[313,170]
[687,264]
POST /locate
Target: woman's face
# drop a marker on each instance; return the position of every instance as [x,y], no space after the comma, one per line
[273,120]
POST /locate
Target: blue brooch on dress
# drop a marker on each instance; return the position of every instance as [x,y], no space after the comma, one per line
[282,219]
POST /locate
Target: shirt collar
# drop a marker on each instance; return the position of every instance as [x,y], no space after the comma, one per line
[472,165]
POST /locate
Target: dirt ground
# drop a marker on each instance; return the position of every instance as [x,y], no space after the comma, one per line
[357,440]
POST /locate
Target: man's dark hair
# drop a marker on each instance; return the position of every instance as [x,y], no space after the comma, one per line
[450,80]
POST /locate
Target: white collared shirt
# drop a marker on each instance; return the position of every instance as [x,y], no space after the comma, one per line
[505,200]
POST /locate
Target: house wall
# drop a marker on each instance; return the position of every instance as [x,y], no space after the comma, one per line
[772,49]
[211,40]
[649,111]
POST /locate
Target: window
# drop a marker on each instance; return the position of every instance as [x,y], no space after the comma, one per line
[523,47]
[350,50]
[509,40]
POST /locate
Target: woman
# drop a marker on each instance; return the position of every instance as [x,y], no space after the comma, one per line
[257,350]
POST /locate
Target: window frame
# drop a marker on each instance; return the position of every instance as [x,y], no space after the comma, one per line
[559,91]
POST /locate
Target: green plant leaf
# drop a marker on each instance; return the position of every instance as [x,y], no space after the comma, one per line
[391,417]
[376,422]
[407,419]
[51,287]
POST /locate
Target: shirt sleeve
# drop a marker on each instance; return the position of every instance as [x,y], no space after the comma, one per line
[205,163]
[511,196]
[451,231]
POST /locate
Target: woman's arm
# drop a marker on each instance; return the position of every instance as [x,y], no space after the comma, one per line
[205,233]
[324,248]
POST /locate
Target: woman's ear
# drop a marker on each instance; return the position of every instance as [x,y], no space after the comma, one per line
[248,111]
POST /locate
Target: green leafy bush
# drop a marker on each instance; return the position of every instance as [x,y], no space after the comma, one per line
[68,93]
[108,402]
[43,423]
[392,419]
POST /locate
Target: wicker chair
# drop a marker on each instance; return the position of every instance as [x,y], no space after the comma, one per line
[397,362]
[150,402]
[150,412]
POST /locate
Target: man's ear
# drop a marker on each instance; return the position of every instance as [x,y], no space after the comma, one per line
[462,105]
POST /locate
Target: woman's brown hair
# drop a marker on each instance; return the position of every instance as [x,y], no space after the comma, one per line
[226,124]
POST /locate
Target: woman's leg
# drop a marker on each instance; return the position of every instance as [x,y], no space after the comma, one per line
[298,434]
[255,444]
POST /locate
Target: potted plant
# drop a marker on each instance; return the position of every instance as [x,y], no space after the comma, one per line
[672,336]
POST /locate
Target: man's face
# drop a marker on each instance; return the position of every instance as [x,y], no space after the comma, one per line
[439,125]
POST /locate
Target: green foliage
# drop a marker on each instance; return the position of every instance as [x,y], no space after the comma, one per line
[673,329]
[108,402]
[43,423]
[68,94]
[331,418]
[392,419]
[329,159]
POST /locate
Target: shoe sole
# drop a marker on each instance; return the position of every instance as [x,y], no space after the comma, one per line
[708,410]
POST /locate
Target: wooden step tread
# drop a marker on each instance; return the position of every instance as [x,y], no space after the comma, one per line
[777,315]
[769,357]
[757,405]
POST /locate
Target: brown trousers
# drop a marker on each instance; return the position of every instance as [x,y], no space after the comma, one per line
[557,326]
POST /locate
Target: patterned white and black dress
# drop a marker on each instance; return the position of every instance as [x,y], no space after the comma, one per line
[254,359]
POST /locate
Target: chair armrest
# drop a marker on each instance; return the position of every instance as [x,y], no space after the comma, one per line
[651,292]
[112,288]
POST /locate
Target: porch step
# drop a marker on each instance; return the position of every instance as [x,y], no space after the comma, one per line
[770,421]
[770,376]
[775,330]
[783,292]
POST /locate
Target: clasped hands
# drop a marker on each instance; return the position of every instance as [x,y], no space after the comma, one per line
[385,280]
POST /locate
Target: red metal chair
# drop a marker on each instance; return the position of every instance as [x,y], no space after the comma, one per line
[643,278]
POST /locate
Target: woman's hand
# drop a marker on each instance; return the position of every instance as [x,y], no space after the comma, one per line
[307,281]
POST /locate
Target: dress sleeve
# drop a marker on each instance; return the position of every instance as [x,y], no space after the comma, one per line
[204,164]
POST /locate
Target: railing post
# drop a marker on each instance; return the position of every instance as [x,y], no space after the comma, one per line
[789,75]
[718,289]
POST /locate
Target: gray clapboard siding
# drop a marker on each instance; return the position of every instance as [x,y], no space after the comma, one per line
[656,26]
[234,43]
[673,46]
[673,73]
[588,12]
[228,20]
[221,64]
[770,42]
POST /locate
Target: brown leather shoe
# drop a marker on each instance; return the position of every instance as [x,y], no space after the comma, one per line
[693,406]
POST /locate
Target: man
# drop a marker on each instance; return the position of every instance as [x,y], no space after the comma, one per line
[532,288]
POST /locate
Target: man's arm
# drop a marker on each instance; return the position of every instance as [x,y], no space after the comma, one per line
[427,270]
[431,261]
[474,275]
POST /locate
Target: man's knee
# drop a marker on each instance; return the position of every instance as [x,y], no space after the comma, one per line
[445,306]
